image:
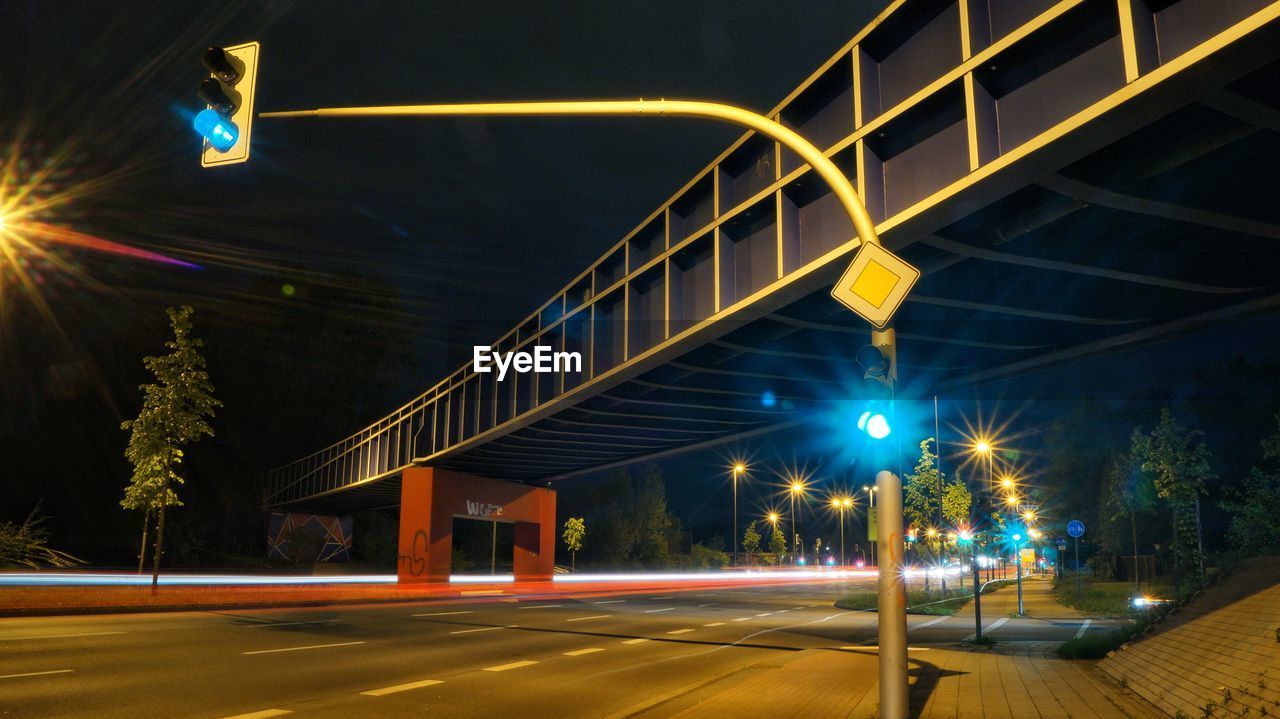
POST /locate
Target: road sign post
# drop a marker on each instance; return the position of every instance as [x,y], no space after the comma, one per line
[1076,529]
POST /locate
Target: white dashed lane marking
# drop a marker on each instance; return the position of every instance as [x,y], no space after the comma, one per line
[512,665]
[713,624]
[36,674]
[640,640]
[298,649]
[580,652]
[440,614]
[593,616]
[483,629]
[401,688]
[58,636]
[679,631]
[651,611]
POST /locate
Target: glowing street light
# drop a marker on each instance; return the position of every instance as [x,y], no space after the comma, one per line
[840,504]
[739,468]
[797,487]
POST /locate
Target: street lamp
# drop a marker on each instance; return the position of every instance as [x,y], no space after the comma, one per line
[773,519]
[797,487]
[738,469]
[840,504]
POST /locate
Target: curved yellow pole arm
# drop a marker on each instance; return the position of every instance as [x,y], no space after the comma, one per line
[840,185]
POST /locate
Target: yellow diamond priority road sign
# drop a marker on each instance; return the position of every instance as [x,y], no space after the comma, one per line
[875,284]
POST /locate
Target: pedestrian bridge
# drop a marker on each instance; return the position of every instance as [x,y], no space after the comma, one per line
[1071,177]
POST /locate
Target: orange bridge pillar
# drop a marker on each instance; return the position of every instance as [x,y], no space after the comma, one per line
[431,498]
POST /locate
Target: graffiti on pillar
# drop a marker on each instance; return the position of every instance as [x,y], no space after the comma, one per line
[483,509]
[416,559]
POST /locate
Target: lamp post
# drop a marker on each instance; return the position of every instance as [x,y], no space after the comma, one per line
[840,504]
[797,487]
[773,520]
[738,469]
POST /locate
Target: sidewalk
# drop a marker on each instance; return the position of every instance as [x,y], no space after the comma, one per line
[1037,602]
[1010,681]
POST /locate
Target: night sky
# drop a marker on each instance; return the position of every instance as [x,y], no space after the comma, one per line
[403,241]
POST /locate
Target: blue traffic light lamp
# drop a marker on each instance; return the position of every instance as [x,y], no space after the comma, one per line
[221,133]
[875,424]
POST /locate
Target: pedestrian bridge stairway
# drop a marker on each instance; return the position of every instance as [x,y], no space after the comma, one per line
[1218,656]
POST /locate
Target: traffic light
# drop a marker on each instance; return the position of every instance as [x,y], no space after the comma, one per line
[228,91]
[879,365]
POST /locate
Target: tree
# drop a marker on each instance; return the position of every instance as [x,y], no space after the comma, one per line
[922,502]
[174,414]
[751,541]
[655,522]
[1178,464]
[1255,506]
[1129,493]
[922,495]
[778,543]
[956,503]
[575,530]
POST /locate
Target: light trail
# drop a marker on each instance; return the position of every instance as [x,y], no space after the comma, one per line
[104,579]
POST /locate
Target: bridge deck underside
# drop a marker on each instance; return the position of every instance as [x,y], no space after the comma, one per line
[1167,230]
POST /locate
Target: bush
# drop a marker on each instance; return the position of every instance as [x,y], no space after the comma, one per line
[26,545]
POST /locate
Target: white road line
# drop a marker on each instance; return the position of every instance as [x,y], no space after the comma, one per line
[580,652]
[654,599]
[713,624]
[929,623]
[484,629]
[1084,628]
[651,611]
[543,606]
[298,649]
[679,631]
[401,688]
[712,594]
[593,616]
[291,624]
[512,665]
[36,674]
[783,611]
[990,627]
[641,640]
[261,715]
[765,614]
[441,614]
[708,604]
[58,636]
[611,601]
[742,619]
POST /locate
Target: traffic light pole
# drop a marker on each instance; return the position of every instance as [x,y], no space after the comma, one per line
[892,598]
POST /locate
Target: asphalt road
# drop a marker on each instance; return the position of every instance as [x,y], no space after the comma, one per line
[563,657]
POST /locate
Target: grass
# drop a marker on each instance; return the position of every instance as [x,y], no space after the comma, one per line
[919,601]
[1113,598]
[1110,599]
